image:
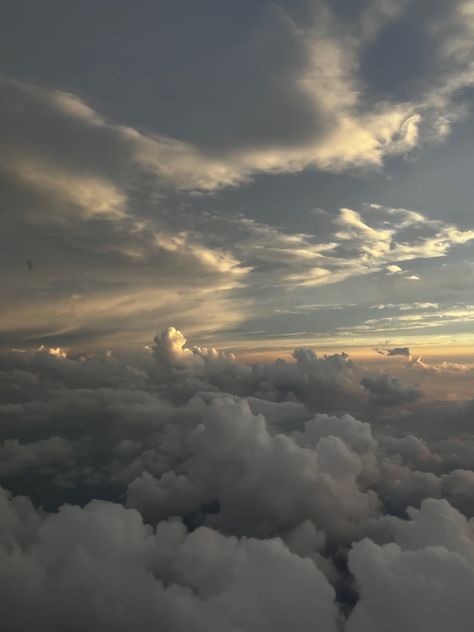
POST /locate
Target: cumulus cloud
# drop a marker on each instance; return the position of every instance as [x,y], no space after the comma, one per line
[430,562]
[51,453]
[55,566]
[205,490]
[393,269]
[232,459]
[387,390]
[173,486]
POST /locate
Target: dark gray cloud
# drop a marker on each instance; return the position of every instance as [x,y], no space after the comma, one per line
[396,351]
[387,390]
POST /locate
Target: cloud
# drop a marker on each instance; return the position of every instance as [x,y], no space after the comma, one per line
[40,456]
[389,391]
[421,317]
[107,236]
[396,351]
[199,580]
[203,489]
[80,219]
[309,107]
[371,240]
[173,486]
[232,459]
[157,406]
[431,562]
[91,195]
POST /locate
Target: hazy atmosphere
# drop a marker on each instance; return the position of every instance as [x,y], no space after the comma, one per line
[237,316]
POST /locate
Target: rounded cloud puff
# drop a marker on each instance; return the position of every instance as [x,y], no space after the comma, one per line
[100,568]
[182,489]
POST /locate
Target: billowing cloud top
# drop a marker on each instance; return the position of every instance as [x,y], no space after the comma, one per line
[180,486]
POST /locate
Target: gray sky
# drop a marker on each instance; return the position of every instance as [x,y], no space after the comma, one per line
[259,174]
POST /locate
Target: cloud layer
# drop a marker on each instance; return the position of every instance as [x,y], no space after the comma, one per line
[172,170]
[181,486]
[118,199]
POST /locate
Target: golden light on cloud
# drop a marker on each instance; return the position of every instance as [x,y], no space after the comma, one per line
[92,196]
[237,316]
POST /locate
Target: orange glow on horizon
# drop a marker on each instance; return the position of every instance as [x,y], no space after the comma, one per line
[452,353]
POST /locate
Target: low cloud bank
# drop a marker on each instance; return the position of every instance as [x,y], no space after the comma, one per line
[177,488]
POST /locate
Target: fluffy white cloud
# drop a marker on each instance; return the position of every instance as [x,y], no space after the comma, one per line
[100,568]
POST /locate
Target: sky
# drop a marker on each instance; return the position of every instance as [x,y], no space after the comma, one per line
[236,324]
[258,174]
